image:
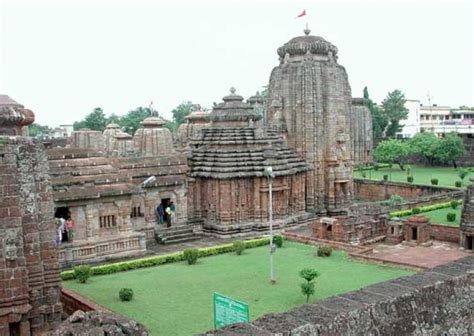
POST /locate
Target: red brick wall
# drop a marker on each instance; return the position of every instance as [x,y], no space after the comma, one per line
[72,301]
[445,233]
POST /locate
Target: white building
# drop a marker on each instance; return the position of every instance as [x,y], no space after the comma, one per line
[411,125]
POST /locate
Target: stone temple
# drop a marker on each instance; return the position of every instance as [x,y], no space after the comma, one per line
[29,268]
[309,101]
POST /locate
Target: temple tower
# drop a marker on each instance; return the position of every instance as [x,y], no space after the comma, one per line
[29,269]
[467,219]
[111,130]
[309,101]
[153,138]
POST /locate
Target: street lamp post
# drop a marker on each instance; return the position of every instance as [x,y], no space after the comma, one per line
[269,174]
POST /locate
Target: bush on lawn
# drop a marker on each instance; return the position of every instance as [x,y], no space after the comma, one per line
[82,273]
[324,251]
[278,241]
[126,294]
[307,288]
[239,247]
[463,173]
[162,259]
[434,181]
[385,177]
[415,211]
[451,216]
[410,179]
[191,255]
[454,204]
[364,174]
[458,184]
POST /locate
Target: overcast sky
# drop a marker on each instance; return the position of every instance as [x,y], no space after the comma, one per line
[61,59]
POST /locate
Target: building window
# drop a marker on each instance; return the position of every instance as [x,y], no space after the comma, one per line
[107,222]
[136,212]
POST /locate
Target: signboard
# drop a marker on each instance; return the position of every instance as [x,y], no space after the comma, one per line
[229,311]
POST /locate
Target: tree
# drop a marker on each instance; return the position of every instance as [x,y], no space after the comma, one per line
[394,108]
[392,151]
[180,112]
[113,119]
[450,148]
[307,288]
[37,129]
[132,120]
[95,121]
[379,119]
[426,145]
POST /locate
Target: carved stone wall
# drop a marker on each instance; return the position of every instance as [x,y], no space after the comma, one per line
[309,100]
[467,219]
[361,132]
[85,138]
[29,269]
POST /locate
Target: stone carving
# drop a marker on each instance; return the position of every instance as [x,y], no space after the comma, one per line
[10,245]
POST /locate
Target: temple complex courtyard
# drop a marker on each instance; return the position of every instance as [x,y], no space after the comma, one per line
[176,299]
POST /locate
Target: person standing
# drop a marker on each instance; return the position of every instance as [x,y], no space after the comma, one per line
[173,212]
[69,224]
[160,212]
[168,216]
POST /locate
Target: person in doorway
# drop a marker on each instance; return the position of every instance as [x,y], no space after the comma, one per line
[60,223]
[168,216]
[69,225]
[160,212]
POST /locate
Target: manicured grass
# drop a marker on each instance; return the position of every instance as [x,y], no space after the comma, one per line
[439,216]
[446,176]
[176,299]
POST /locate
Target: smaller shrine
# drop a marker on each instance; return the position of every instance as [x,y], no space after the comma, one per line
[194,123]
[153,138]
[417,230]
[395,231]
[227,187]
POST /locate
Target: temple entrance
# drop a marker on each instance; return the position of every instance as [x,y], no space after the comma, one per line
[165,202]
[469,243]
[62,212]
[414,233]
[14,329]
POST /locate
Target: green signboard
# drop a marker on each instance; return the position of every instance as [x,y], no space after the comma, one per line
[229,311]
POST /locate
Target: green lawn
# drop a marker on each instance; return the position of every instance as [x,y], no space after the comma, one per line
[447,176]
[176,299]
[439,216]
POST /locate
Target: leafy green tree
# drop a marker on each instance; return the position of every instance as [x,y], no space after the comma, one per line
[392,151]
[95,121]
[394,108]
[426,145]
[113,119]
[37,129]
[307,288]
[379,119]
[132,120]
[451,147]
[180,112]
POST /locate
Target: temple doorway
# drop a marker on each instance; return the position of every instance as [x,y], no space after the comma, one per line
[62,212]
[414,233]
[469,243]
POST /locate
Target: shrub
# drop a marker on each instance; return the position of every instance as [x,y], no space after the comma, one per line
[434,181]
[415,211]
[278,240]
[82,273]
[126,294]
[162,259]
[307,288]
[385,177]
[376,167]
[454,204]
[324,251]
[364,174]
[410,179]
[458,184]
[463,173]
[239,247]
[191,255]
[451,216]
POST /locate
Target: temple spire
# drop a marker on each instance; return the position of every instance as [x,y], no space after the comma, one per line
[307,30]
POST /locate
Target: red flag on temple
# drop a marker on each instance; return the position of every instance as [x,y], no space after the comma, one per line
[303,13]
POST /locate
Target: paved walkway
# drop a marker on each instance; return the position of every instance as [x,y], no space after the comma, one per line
[419,256]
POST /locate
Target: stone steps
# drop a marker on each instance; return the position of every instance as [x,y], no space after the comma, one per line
[176,234]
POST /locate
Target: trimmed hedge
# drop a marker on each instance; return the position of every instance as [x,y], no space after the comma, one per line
[375,167]
[404,213]
[163,259]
